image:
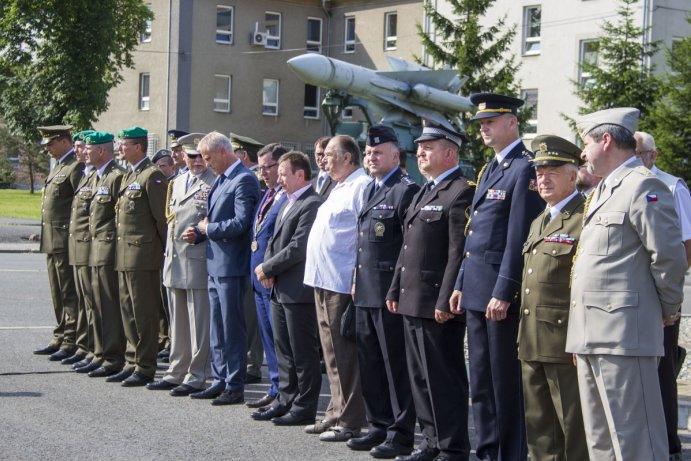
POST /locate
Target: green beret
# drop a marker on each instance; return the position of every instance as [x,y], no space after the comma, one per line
[98,137]
[80,135]
[134,132]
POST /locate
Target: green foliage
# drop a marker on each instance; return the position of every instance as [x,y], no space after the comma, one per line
[670,117]
[9,146]
[479,52]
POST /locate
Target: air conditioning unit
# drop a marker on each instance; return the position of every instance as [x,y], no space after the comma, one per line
[259,38]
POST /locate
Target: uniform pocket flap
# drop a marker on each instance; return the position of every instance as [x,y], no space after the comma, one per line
[610,218]
[557,249]
[383,214]
[431,277]
[137,240]
[386,265]
[551,314]
[610,301]
[430,215]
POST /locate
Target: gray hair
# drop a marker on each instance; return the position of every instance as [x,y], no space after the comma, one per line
[214,142]
[622,137]
[647,142]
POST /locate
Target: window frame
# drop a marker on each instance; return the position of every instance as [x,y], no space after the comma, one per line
[311,108]
[583,77]
[273,38]
[349,44]
[530,41]
[230,94]
[228,33]
[145,37]
[387,33]
[267,104]
[531,122]
[312,43]
[144,100]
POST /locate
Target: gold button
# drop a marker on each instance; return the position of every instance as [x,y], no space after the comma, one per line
[359,250]
[475,212]
[527,291]
[554,252]
[402,290]
[467,254]
[409,226]
[609,306]
[470,233]
[559,321]
[405,247]
[359,266]
[534,251]
[573,303]
[402,269]
[530,271]
[526,311]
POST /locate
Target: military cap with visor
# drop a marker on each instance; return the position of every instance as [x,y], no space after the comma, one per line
[48,133]
[432,131]
[174,136]
[380,134]
[493,105]
[190,143]
[161,153]
[552,150]
[245,143]
[625,117]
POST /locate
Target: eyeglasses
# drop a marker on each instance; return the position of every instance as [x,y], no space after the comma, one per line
[267,167]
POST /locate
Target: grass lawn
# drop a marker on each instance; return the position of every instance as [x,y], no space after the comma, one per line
[16,203]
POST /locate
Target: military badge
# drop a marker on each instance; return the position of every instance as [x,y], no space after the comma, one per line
[432,208]
[496,194]
[384,206]
[651,198]
[103,190]
[134,186]
[254,246]
[560,238]
[379,229]
[532,185]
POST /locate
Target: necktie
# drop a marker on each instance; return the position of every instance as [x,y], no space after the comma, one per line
[545,220]
[320,182]
[425,191]
[375,189]
[266,205]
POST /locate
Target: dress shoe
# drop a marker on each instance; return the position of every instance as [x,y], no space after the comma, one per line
[136,380]
[273,412]
[94,365]
[253,379]
[389,450]
[61,355]
[263,402]
[318,427]
[82,363]
[78,357]
[209,393]
[425,454]
[291,419]
[104,372]
[120,377]
[229,398]
[442,458]
[183,390]
[339,434]
[161,385]
[164,356]
[49,349]
[365,442]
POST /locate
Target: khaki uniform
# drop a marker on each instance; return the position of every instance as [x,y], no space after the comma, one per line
[109,335]
[141,237]
[554,424]
[56,205]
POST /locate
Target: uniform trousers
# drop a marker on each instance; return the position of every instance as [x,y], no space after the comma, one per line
[190,356]
[553,419]
[495,387]
[346,407]
[297,352]
[109,330]
[164,321]
[62,290]
[384,375]
[228,337]
[622,408]
[439,383]
[140,304]
[255,351]
[263,312]
[666,371]
[86,322]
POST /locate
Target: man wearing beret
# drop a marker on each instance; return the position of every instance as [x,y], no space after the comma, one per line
[379,333]
[425,273]
[186,278]
[56,206]
[554,425]
[488,285]
[108,331]
[627,283]
[141,233]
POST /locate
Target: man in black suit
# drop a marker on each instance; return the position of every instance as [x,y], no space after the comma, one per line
[323,183]
[379,333]
[292,303]
[425,273]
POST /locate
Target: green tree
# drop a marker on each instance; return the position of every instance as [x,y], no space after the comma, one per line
[621,75]
[669,117]
[479,53]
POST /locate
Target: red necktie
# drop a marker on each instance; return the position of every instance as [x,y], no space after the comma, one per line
[267,204]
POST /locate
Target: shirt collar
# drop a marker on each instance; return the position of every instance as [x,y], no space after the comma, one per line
[443,176]
[231,168]
[296,195]
[102,170]
[609,180]
[500,156]
[385,178]
[66,154]
[134,167]
[556,209]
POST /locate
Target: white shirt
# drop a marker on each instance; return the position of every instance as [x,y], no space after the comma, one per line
[332,244]
[500,156]
[292,198]
[682,205]
[321,179]
[134,167]
[231,168]
[102,170]
[556,209]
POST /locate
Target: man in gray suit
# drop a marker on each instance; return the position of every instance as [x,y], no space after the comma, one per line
[627,282]
[185,277]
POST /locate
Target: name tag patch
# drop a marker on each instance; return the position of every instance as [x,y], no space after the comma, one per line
[432,208]
[134,186]
[560,238]
[103,190]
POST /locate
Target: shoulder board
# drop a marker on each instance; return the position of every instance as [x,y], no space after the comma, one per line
[407,181]
[527,154]
[644,171]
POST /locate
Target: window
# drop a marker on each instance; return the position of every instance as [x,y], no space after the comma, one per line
[390,23]
[144,91]
[222,93]
[349,35]
[530,98]
[531,29]
[587,55]
[146,35]
[347,113]
[273,28]
[270,97]
[314,35]
[311,102]
[224,24]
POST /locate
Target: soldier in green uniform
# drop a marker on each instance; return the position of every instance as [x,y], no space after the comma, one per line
[141,238]
[60,185]
[554,424]
[109,336]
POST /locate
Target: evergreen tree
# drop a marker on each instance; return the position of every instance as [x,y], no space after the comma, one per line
[479,53]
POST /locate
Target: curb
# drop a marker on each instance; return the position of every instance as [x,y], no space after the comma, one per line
[19,248]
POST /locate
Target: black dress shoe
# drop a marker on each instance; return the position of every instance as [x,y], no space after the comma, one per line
[120,377]
[366,442]
[136,380]
[82,363]
[210,392]
[263,402]
[163,353]
[161,385]
[183,390]
[104,372]
[94,365]
[79,356]
[292,419]
[49,349]
[229,398]
[389,450]
[442,458]
[426,454]
[266,415]
[61,355]
[252,379]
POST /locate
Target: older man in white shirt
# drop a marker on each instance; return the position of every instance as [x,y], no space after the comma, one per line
[331,254]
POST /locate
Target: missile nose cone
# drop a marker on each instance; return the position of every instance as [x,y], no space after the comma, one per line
[312,68]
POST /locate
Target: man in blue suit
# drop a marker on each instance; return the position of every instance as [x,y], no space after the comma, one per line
[489,280]
[262,230]
[232,202]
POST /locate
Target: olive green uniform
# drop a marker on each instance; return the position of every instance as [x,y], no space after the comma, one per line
[56,206]
[141,237]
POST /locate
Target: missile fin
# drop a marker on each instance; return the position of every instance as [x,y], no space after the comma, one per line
[435,78]
[419,111]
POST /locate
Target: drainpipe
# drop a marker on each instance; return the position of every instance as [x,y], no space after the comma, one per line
[167,105]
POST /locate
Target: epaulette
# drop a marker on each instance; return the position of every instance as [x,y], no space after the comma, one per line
[527,154]
[644,171]
[408,181]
